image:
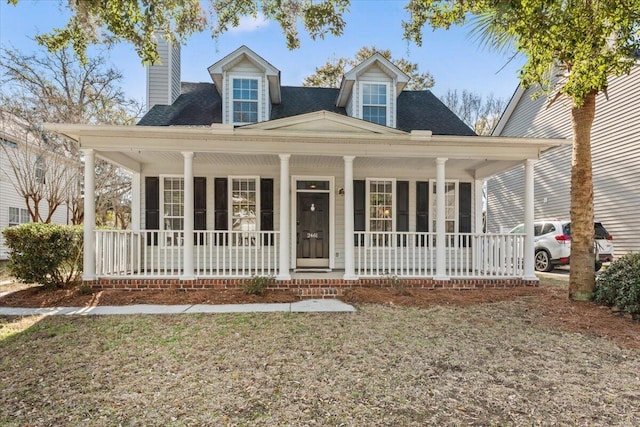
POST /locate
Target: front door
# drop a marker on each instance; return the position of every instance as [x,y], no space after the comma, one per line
[312,230]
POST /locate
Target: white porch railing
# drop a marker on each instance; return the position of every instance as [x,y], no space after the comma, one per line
[154,253]
[411,254]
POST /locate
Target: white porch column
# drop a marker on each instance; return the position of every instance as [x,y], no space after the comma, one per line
[89,252]
[187,242]
[349,261]
[529,212]
[135,201]
[479,205]
[441,266]
[285,213]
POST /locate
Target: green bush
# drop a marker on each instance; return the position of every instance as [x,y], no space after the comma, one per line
[50,254]
[619,285]
[257,285]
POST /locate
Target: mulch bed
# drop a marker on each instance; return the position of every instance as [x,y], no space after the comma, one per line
[551,302]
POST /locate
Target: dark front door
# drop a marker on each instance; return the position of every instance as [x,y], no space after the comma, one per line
[313,230]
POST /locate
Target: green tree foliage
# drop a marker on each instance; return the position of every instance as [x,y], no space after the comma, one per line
[50,254]
[330,74]
[584,43]
[619,285]
[136,21]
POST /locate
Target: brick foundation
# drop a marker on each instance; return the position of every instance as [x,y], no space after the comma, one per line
[308,288]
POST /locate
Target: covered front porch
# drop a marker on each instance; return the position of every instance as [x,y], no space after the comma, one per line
[393,205]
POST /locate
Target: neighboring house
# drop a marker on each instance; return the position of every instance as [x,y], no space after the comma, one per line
[615,148]
[318,187]
[13,208]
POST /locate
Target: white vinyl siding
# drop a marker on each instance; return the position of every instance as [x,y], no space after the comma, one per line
[9,197]
[163,78]
[615,147]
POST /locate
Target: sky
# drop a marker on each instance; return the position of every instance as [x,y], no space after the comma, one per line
[454,58]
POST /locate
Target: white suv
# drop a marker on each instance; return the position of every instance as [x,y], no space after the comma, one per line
[552,240]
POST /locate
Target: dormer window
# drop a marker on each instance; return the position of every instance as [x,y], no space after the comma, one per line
[374,103]
[245,101]
[248,85]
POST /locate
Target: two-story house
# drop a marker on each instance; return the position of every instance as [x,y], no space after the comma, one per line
[322,188]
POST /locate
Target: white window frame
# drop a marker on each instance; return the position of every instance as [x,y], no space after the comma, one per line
[433,207]
[244,76]
[176,240]
[368,202]
[387,106]
[39,169]
[21,219]
[256,179]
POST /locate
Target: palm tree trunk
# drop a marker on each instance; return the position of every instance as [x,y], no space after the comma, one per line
[582,275]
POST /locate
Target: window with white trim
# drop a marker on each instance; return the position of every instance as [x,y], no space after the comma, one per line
[374,103]
[450,206]
[245,100]
[40,170]
[173,208]
[244,209]
[380,214]
[18,216]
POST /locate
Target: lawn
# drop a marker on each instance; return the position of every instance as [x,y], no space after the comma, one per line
[486,364]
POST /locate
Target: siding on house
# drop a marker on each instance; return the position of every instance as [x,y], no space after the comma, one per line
[9,198]
[308,166]
[163,79]
[615,147]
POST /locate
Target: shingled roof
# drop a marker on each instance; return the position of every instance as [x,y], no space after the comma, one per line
[200,105]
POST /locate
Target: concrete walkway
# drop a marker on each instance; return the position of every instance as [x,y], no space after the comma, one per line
[305,306]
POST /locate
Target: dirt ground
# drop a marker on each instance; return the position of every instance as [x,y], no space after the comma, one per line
[550,302]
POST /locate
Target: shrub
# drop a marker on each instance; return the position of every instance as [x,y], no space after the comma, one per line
[50,254]
[619,285]
[257,285]
[399,285]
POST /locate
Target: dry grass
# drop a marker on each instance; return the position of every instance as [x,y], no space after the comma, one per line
[488,364]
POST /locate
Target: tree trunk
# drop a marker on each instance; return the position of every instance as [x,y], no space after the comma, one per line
[582,274]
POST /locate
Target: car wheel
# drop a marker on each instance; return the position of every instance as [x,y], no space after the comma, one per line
[598,266]
[543,261]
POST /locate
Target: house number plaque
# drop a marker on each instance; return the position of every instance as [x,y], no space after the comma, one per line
[312,235]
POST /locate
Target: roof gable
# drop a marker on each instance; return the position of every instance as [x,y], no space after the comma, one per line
[243,53]
[376,60]
[324,122]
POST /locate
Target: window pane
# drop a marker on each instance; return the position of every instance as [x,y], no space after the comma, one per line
[244,212]
[173,208]
[374,103]
[245,100]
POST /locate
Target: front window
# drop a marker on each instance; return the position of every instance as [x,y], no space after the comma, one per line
[450,206]
[374,103]
[173,208]
[380,210]
[40,170]
[245,100]
[18,216]
[244,203]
